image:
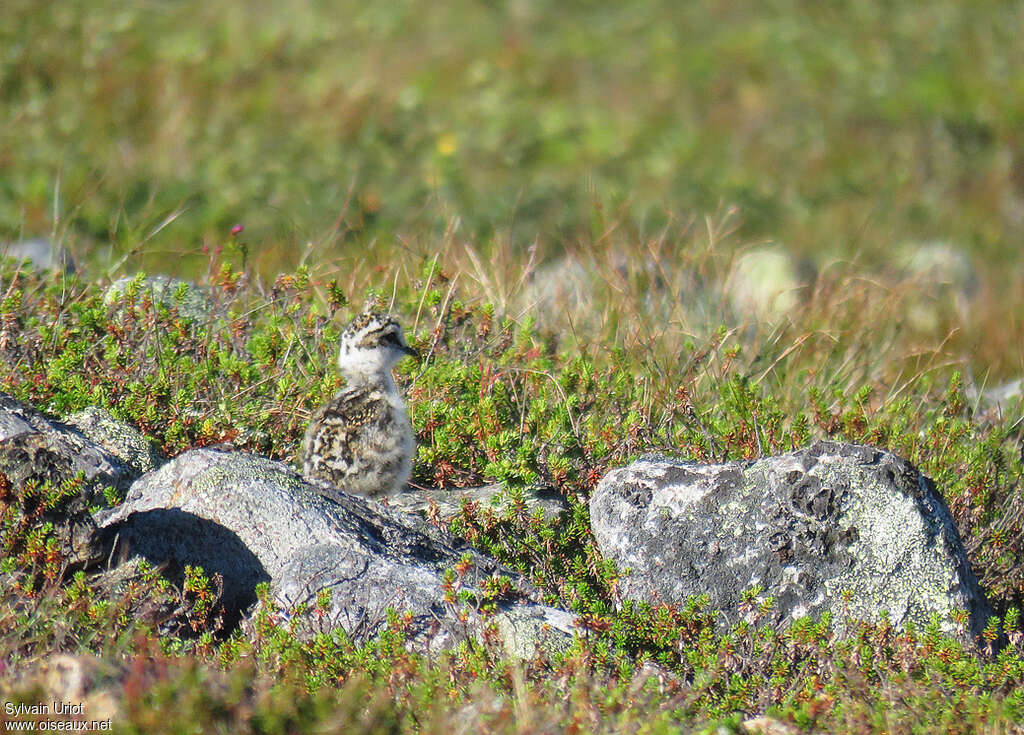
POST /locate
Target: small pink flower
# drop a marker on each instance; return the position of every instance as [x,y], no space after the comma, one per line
[237,230]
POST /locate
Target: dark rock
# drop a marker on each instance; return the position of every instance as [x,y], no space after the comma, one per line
[252,519]
[809,527]
[34,448]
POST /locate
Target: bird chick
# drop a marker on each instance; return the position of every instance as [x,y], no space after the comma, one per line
[361,440]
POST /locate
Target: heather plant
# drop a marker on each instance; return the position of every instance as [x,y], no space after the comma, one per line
[496,399]
[525,185]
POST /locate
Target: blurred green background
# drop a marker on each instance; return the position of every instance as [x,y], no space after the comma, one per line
[838,129]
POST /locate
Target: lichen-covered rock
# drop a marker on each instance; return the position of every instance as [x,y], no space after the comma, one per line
[940,283]
[446,504]
[189,299]
[838,528]
[121,440]
[767,285]
[525,629]
[35,448]
[251,520]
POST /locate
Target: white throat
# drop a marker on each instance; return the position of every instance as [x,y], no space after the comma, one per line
[362,366]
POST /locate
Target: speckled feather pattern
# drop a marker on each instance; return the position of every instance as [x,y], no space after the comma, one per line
[361,441]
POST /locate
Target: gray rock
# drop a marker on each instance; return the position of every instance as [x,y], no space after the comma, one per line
[1004,394]
[255,520]
[189,299]
[573,293]
[118,438]
[766,285]
[33,446]
[940,282]
[41,253]
[39,449]
[837,528]
[998,403]
[447,503]
[564,285]
[938,263]
[525,629]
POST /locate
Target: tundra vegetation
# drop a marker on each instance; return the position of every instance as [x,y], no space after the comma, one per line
[553,198]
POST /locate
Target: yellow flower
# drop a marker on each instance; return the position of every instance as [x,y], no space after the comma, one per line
[446,144]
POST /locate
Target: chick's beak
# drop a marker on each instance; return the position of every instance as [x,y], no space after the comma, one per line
[410,351]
